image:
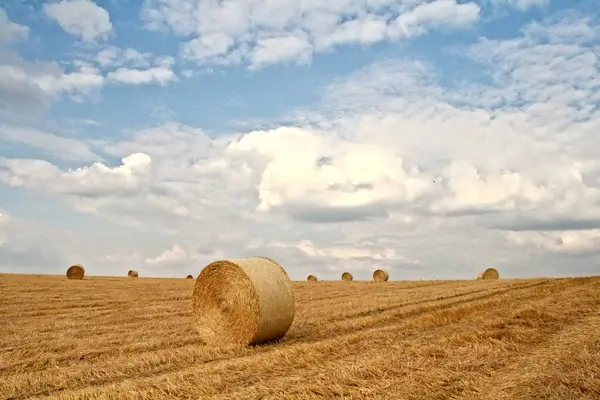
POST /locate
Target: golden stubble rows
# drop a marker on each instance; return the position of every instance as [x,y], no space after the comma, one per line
[118,339]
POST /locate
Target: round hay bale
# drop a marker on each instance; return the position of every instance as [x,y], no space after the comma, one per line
[489,273]
[132,274]
[242,302]
[312,278]
[347,276]
[381,276]
[189,277]
[75,272]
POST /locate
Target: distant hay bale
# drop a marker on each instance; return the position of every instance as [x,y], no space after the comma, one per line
[75,272]
[489,273]
[132,274]
[242,302]
[347,276]
[312,278]
[381,276]
[189,277]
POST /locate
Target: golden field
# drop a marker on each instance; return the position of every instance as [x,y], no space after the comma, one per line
[121,338]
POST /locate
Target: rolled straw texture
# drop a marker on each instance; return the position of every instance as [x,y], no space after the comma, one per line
[347,276]
[242,302]
[75,272]
[132,274]
[312,278]
[489,273]
[189,277]
[381,276]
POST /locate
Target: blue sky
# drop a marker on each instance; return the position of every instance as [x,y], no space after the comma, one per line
[170,133]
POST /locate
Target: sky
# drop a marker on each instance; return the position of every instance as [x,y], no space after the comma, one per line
[431,138]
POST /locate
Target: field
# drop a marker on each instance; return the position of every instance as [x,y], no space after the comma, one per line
[120,338]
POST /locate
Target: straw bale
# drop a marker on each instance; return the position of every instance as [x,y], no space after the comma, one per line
[381,276]
[75,272]
[242,302]
[189,277]
[489,273]
[347,276]
[312,278]
[132,274]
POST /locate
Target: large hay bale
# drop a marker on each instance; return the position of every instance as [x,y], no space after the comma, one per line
[189,277]
[75,272]
[489,273]
[312,278]
[347,276]
[381,276]
[242,302]
[132,274]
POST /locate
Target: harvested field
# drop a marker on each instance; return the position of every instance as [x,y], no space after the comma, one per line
[120,338]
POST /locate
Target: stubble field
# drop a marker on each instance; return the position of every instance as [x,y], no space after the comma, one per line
[120,338]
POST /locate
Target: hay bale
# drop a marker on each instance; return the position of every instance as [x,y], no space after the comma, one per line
[347,276]
[381,276]
[189,277]
[312,278]
[75,272]
[489,273]
[242,302]
[132,274]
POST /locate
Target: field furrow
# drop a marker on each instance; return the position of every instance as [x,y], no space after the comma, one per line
[134,339]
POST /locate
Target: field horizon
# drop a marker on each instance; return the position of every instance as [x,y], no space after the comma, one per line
[121,338]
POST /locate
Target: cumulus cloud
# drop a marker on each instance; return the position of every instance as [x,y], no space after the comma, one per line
[82,18]
[11,31]
[95,180]
[264,32]
[65,148]
[522,5]
[28,88]
[396,167]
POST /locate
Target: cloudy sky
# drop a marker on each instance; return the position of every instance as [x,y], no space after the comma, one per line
[433,138]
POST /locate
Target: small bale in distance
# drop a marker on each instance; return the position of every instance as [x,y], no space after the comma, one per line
[312,278]
[75,272]
[132,274]
[381,276]
[241,302]
[189,277]
[489,273]
[347,276]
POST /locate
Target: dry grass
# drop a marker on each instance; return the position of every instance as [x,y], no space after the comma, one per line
[108,338]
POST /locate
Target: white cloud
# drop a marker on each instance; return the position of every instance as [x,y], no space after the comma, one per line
[65,148]
[10,31]
[442,13]
[522,5]
[170,257]
[393,169]
[112,56]
[97,179]
[82,18]
[266,32]
[159,75]
[564,241]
